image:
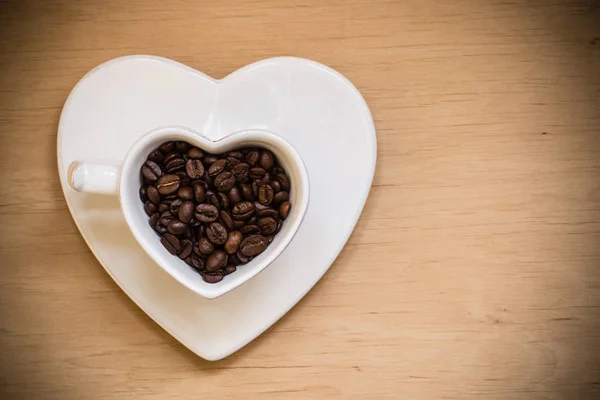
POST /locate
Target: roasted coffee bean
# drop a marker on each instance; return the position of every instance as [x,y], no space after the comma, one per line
[174,164]
[170,156]
[199,193]
[255,185]
[174,206]
[194,168]
[212,278]
[224,202]
[162,207]
[283,180]
[266,178]
[151,171]
[186,193]
[189,233]
[216,233]
[242,210]
[194,223]
[153,195]
[233,242]
[249,229]
[144,193]
[195,153]
[166,218]
[227,221]
[243,259]
[224,181]
[182,146]
[198,262]
[233,259]
[216,261]
[247,192]
[186,211]
[150,208]
[168,184]
[167,147]
[186,249]
[236,154]
[160,228]
[253,245]
[157,156]
[284,209]
[200,231]
[184,180]
[252,157]
[206,213]
[154,218]
[265,194]
[257,173]
[276,186]
[252,221]
[267,226]
[230,269]
[233,161]
[238,224]
[267,160]
[241,172]
[205,246]
[280,197]
[171,243]
[217,167]
[269,238]
[265,211]
[235,196]
[210,159]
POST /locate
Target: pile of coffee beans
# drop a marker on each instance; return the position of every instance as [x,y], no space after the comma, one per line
[214,211]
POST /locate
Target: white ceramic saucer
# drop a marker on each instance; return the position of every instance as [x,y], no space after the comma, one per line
[313,107]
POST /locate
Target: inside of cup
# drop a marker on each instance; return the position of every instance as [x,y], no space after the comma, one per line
[138,220]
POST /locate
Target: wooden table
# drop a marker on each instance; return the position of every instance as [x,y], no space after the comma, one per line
[474,271]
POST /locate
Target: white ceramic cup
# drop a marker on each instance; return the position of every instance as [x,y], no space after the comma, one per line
[125,181]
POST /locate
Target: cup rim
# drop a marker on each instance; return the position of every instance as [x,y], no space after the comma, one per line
[260,137]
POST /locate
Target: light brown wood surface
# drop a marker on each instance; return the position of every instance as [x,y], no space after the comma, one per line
[474,271]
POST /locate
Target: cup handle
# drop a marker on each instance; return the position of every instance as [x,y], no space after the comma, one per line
[94,177]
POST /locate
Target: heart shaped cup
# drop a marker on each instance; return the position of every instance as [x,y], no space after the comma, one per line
[124,181]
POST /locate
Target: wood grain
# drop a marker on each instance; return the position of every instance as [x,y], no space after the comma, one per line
[474,271]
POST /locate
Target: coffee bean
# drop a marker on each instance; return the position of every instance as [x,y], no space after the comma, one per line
[249,229]
[182,146]
[143,193]
[205,246]
[206,213]
[186,211]
[276,186]
[233,242]
[157,156]
[265,211]
[168,184]
[184,180]
[167,147]
[186,249]
[238,224]
[235,196]
[212,278]
[194,168]
[267,226]
[210,159]
[269,238]
[212,198]
[236,154]
[194,223]
[153,195]
[151,171]
[162,207]
[150,208]
[266,178]
[241,172]
[224,181]
[171,243]
[195,153]
[253,245]
[199,193]
[267,160]
[242,210]
[216,261]
[154,218]
[243,259]
[252,157]
[255,185]
[174,206]
[283,180]
[230,269]
[160,228]
[166,218]
[174,164]
[265,194]
[217,167]
[257,172]
[280,197]
[186,193]
[198,262]
[233,259]
[227,221]
[284,209]
[224,202]
[216,233]
[247,192]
